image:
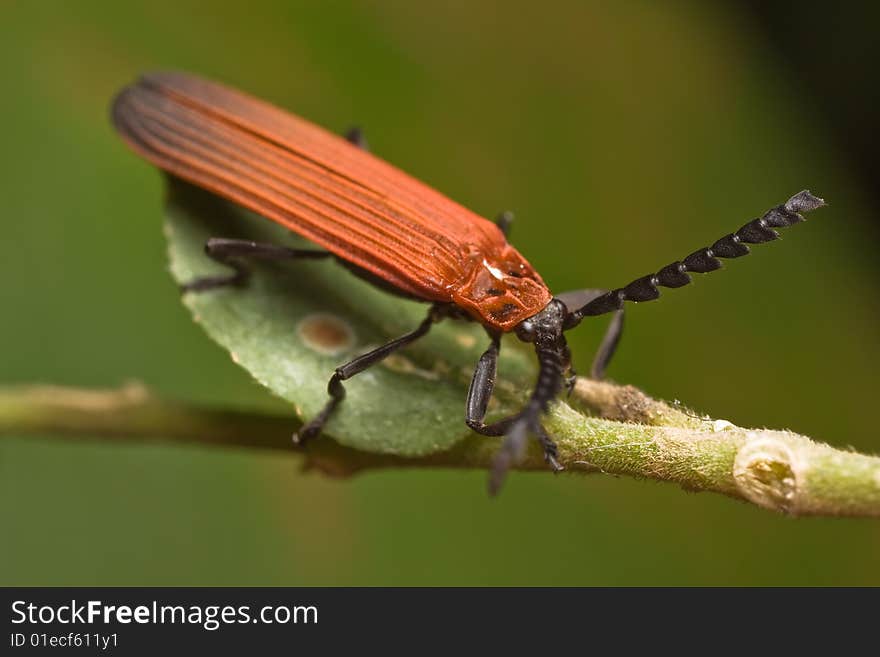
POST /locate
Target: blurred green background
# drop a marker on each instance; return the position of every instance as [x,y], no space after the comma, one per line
[624,135]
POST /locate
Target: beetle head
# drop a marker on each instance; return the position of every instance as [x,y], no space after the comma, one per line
[544,329]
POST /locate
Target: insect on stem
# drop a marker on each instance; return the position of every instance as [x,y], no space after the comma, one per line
[393,231]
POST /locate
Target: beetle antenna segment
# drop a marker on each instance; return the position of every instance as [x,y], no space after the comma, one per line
[703,260]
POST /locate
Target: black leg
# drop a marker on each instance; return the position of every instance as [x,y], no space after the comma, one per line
[503,221]
[551,453]
[578,298]
[516,427]
[607,347]
[337,391]
[572,376]
[480,392]
[355,135]
[225,251]
[552,364]
[513,448]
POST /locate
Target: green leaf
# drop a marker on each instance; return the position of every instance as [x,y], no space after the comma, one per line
[412,404]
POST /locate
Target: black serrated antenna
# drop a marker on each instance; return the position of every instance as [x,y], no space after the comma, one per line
[703,260]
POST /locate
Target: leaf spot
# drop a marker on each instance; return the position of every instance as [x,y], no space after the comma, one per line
[325,333]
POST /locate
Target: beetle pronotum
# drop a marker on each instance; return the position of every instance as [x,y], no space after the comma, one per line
[394,231]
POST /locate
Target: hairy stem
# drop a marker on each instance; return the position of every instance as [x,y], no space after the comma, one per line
[627,433]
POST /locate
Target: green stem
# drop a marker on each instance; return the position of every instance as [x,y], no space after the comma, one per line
[633,435]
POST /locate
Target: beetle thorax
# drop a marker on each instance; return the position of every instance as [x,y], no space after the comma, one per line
[501,288]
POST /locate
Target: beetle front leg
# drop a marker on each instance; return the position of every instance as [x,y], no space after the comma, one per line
[517,429]
[337,391]
[226,251]
[479,394]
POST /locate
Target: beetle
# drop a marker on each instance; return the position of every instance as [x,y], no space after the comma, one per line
[396,232]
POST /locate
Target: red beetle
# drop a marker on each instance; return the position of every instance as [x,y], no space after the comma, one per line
[394,231]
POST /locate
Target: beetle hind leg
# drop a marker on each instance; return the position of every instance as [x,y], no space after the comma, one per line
[229,251]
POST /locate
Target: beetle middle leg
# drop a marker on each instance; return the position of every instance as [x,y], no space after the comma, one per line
[337,391]
[227,251]
[504,221]
[354,135]
[608,346]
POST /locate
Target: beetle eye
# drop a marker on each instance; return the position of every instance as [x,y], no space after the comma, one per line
[515,274]
[525,331]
